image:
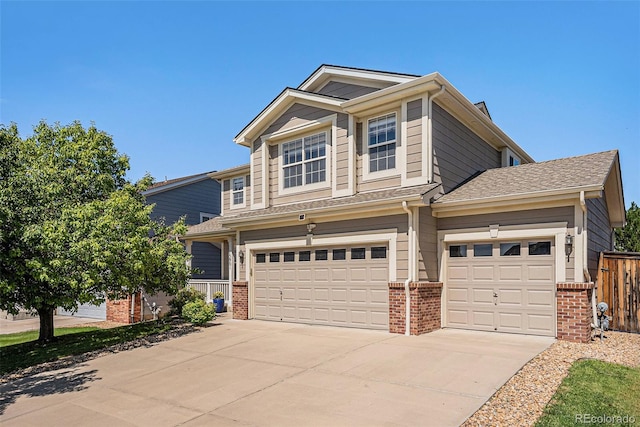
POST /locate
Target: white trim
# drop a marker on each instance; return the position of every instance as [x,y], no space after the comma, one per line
[427,157]
[557,230]
[399,156]
[578,244]
[265,176]
[232,191]
[327,71]
[506,153]
[222,198]
[329,166]
[351,136]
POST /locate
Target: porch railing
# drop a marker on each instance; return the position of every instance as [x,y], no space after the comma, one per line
[209,287]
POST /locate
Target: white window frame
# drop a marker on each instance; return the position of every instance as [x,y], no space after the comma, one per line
[507,155]
[205,214]
[233,205]
[395,171]
[328,147]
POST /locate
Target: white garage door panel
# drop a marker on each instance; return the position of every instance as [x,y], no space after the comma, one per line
[502,293]
[350,292]
[87,310]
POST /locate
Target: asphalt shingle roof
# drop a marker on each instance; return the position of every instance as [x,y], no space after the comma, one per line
[559,174]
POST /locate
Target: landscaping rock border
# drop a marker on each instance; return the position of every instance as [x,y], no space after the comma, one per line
[523,398]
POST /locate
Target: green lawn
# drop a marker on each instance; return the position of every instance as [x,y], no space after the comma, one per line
[596,393]
[14,356]
[20,337]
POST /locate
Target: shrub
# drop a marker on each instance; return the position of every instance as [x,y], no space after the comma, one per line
[198,312]
[183,297]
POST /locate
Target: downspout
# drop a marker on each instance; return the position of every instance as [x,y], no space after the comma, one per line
[407,295]
[133,305]
[585,270]
[430,131]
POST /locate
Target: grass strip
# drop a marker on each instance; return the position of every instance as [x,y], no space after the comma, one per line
[597,393]
[20,337]
[26,354]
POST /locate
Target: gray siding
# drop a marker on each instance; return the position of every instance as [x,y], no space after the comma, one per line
[458,153]
[398,222]
[189,201]
[599,233]
[562,214]
[414,139]
[297,114]
[345,90]
[427,246]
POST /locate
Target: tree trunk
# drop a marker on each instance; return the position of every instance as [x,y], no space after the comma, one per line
[46,324]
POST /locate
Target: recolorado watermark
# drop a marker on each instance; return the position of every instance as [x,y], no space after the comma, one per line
[604,419]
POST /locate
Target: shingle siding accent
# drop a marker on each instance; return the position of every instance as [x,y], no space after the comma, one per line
[599,233]
[458,153]
[345,90]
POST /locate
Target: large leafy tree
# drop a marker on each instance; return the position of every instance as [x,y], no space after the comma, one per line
[73,229]
[628,237]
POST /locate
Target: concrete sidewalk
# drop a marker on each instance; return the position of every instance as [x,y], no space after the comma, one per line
[12,326]
[264,373]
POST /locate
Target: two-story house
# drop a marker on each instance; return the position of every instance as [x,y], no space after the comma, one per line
[390,201]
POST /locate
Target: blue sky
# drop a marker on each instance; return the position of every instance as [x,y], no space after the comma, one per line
[174,82]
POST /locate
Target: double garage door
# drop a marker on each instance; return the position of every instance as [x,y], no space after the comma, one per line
[338,286]
[502,286]
[87,310]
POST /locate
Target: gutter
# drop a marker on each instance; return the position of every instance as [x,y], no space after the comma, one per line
[585,270]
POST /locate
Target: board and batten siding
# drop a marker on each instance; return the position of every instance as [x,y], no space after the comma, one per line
[189,201]
[345,90]
[599,233]
[414,139]
[533,216]
[458,153]
[398,222]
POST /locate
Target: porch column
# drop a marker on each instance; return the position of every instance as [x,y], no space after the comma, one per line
[231,264]
[188,244]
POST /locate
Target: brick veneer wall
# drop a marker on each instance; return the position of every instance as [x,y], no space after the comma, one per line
[574,311]
[425,307]
[241,300]
[425,304]
[120,310]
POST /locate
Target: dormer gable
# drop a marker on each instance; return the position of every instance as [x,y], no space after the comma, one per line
[326,75]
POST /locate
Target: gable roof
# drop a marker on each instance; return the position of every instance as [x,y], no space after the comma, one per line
[591,173]
[158,187]
[326,71]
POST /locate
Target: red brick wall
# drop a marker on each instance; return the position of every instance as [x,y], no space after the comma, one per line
[574,311]
[241,300]
[397,311]
[120,310]
[425,307]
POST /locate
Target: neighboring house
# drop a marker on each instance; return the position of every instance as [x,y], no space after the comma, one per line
[197,199]
[390,201]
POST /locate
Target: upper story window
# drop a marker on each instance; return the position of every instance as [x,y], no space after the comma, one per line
[381,141]
[304,160]
[204,216]
[509,158]
[237,191]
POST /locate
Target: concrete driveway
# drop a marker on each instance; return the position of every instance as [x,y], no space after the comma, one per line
[264,373]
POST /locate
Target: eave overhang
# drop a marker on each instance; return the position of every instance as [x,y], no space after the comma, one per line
[284,100]
[227,173]
[515,202]
[326,72]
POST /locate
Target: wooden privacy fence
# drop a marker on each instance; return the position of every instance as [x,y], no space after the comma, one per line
[619,286]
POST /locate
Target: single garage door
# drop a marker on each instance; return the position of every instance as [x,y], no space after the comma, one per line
[338,286]
[87,310]
[502,286]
